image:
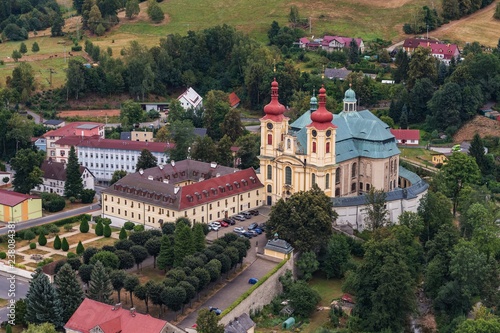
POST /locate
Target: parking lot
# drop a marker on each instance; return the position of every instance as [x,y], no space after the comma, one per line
[261,218]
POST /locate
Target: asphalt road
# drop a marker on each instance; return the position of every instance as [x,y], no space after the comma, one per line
[51,218]
[20,292]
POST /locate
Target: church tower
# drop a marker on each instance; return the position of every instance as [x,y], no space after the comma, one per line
[273,126]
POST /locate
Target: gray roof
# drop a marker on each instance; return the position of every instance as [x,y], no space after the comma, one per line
[418,186]
[53,122]
[87,126]
[279,245]
[125,135]
[337,73]
[359,134]
[200,131]
[240,324]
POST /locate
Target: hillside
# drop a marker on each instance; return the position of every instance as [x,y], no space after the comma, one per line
[479,124]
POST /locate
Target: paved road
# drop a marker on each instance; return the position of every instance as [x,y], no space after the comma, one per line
[20,292]
[36,118]
[52,218]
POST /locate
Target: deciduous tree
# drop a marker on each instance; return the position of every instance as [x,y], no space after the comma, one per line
[153,246]
[130,283]
[208,322]
[139,253]
[117,278]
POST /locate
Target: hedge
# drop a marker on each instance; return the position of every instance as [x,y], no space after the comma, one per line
[250,291]
[73,219]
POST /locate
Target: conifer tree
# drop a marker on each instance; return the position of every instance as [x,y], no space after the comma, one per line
[100,288]
[99,229]
[107,231]
[42,302]
[22,48]
[69,290]
[476,150]
[84,226]
[8,329]
[198,237]
[64,244]
[146,160]
[123,234]
[57,243]
[79,248]
[35,48]
[73,186]
[42,240]
[183,245]
[165,258]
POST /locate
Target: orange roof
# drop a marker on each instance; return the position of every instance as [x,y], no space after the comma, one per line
[233,99]
[406,134]
[91,314]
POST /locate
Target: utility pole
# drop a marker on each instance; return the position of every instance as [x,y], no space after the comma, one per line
[310,25]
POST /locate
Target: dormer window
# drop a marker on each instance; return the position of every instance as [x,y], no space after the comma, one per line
[205,192]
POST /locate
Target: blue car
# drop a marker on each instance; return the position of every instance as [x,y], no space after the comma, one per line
[253,281]
[258,230]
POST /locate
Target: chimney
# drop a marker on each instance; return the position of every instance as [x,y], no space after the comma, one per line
[213,165]
[172,162]
[117,306]
[132,312]
[176,189]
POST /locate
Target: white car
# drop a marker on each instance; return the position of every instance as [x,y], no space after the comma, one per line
[239,230]
[214,226]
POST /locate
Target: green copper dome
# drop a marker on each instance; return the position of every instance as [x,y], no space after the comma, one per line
[314,103]
[350,96]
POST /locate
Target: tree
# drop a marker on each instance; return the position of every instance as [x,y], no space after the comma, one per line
[174,297]
[141,292]
[166,255]
[84,226]
[94,18]
[123,234]
[27,164]
[154,291]
[435,210]
[182,135]
[460,170]
[216,108]
[153,246]
[79,248]
[75,78]
[35,48]
[73,186]
[16,55]
[353,52]
[203,276]
[183,245]
[107,258]
[64,244]
[43,305]
[232,125]
[155,13]
[249,150]
[117,175]
[224,153]
[376,213]
[57,25]
[88,254]
[491,325]
[422,65]
[130,283]
[203,149]
[208,322]
[99,228]
[307,264]
[107,231]
[139,253]
[146,160]
[337,257]
[57,243]
[198,237]
[69,291]
[100,288]
[22,48]
[42,240]
[40,328]
[293,16]
[476,150]
[496,15]
[303,299]
[130,113]
[117,278]
[19,127]
[132,8]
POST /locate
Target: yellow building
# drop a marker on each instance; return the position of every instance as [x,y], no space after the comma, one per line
[278,248]
[202,192]
[18,207]
[143,136]
[438,158]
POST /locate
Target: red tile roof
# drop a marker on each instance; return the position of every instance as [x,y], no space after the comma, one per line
[343,40]
[71,129]
[96,142]
[92,313]
[10,198]
[234,100]
[415,42]
[447,50]
[406,134]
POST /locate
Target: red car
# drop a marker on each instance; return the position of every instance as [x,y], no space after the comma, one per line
[223,224]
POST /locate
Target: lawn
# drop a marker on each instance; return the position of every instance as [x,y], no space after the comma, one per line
[328,289]
[150,273]
[416,154]
[34,251]
[57,257]
[101,242]
[74,239]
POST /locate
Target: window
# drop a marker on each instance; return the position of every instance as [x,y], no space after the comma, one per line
[327,181]
[353,170]
[269,189]
[269,139]
[288,144]
[288,175]
[338,174]
[337,192]
[327,147]
[269,172]
[361,186]
[353,187]
[313,180]
[314,147]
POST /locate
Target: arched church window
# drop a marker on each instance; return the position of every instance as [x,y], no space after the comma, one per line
[269,139]
[353,187]
[327,181]
[269,189]
[288,144]
[314,147]
[313,178]
[327,147]
[338,174]
[269,172]
[288,175]
[353,170]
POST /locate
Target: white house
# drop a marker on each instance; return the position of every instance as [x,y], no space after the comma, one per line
[54,177]
[190,99]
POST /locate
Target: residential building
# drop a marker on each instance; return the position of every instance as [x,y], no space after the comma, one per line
[81,129]
[96,317]
[337,73]
[105,156]
[330,43]
[234,100]
[407,137]
[202,192]
[54,177]
[39,143]
[143,136]
[345,155]
[439,157]
[240,324]
[442,51]
[18,207]
[54,123]
[190,99]
[155,106]
[278,248]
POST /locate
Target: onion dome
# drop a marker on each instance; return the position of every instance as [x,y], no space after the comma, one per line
[350,95]
[274,108]
[322,115]
[313,103]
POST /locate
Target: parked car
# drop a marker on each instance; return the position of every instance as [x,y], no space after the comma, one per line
[258,230]
[247,215]
[229,221]
[248,234]
[224,224]
[252,226]
[214,225]
[253,233]
[216,310]
[253,280]
[254,212]
[239,230]
[239,217]
[262,226]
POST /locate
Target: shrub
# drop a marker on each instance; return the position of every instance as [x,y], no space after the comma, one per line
[42,240]
[129,225]
[65,245]
[99,229]
[68,227]
[87,196]
[52,202]
[72,199]
[3,255]
[57,243]
[123,233]
[79,248]
[138,228]
[76,48]
[84,227]
[32,246]
[52,228]
[73,219]
[107,231]
[71,255]
[29,235]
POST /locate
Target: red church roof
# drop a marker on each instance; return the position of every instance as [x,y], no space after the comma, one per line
[92,313]
[406,134]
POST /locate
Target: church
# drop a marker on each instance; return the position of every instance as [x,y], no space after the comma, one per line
[345,155]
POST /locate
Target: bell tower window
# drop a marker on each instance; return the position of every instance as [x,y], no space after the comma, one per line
[269,139]
[314,147]
[327,149]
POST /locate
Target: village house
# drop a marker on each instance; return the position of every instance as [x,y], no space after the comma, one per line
[240,324]
[18,207]
[407,137]
[190,99]
[54,123]
[54,177]
[202,192]
[442,51]
[330,43]
[234,100]
[143,136]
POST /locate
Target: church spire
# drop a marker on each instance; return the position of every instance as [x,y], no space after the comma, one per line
[322,117]
[274,110]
